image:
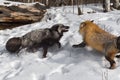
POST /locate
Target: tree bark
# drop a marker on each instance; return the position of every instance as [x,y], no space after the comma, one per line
[116,4]
[106,5]
[47,2]
[79,9]
[73,5]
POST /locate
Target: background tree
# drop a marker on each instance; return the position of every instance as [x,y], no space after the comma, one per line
[116,4]
[106,5]
[72,1]
[79,9]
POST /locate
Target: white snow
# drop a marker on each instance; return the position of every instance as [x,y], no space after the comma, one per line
[66,63]
[3,2]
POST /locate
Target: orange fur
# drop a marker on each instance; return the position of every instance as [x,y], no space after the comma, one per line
[100,40]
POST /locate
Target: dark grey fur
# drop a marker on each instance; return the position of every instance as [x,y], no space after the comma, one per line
[42,38]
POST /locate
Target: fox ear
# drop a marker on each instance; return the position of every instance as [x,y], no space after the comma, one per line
[55,27]
[92,20]
[82,24]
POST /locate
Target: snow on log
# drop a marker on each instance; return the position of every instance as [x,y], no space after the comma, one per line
[20,14]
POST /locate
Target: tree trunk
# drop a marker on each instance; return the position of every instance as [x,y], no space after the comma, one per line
[106,5]
[79,10]
[47,2]
[73,5]
[116,4]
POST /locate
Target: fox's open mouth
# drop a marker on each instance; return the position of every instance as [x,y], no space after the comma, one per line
[66,29]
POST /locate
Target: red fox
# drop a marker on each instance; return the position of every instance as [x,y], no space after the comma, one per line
[100,40]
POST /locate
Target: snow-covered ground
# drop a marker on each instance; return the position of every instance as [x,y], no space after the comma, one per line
[66,63]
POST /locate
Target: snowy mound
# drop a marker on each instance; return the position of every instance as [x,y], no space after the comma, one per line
[66,63]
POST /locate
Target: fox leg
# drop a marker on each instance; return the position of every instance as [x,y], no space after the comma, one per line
[45,49]
[59,44]
[82,44]
[110,58]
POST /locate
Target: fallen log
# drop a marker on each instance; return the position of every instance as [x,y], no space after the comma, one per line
[14,16]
